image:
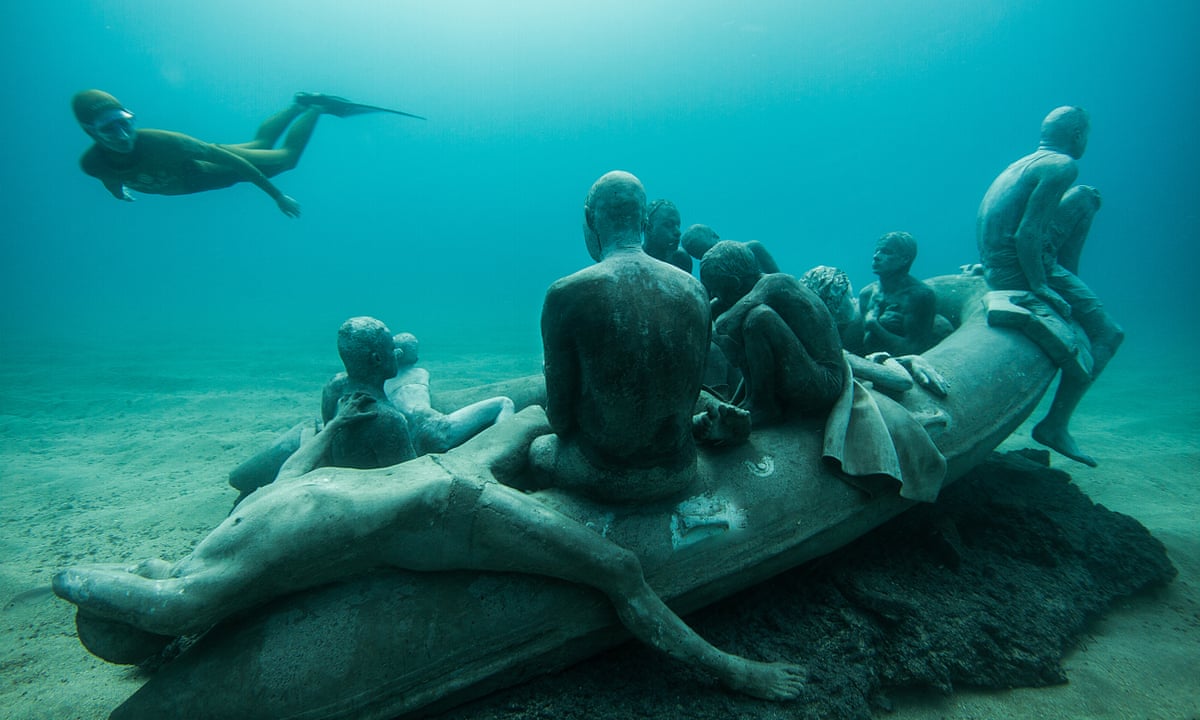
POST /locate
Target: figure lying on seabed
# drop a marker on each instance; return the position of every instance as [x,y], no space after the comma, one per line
[446,512]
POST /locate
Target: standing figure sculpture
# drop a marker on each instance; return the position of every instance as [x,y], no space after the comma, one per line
[625,343]
[777,331]
[1024,223]
[162,162]
[898,310]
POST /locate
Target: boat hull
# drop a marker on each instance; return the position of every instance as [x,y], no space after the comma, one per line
[393,644]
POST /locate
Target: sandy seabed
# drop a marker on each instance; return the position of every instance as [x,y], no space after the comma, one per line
[117,454]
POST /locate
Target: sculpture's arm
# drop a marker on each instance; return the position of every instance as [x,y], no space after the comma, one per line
[881,370]
[925,374]
[561,366]
[1052,179]
[766,263]
[315,452]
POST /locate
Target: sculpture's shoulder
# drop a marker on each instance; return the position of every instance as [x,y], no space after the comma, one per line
[412,375]
[1049,162]
[337,384]
[916,289]
[775,284]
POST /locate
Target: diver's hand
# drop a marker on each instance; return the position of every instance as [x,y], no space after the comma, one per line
[290,207]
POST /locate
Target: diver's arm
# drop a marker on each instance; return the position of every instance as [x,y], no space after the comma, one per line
[245,170]
[91,165]
[117,188]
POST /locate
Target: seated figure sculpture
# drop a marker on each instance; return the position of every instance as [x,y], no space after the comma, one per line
[365,346]
[1027,221]
[887,373]
[777,331]
[662,235]
[898,311]
[697,239]
[721,376]
[433,431]
[366,349]
[426,515]
[625,343]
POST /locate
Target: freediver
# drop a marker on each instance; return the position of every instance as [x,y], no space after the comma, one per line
[162,162]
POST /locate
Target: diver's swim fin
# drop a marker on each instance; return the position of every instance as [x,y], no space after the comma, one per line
[342,107]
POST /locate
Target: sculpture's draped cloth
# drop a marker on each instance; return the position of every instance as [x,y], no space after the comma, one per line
[871,438]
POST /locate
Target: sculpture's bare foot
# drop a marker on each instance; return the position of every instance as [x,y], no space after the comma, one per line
[1059,440]
[769,681]
[121,593]
[722,424]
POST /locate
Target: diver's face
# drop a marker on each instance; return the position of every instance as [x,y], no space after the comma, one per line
[114,130]
[662,233]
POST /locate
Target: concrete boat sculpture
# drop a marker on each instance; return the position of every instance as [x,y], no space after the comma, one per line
[391,644]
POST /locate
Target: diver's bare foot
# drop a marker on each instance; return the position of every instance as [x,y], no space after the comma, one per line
[1060,441]
[769,681]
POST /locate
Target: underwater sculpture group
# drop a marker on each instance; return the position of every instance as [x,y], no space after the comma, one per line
[631,481]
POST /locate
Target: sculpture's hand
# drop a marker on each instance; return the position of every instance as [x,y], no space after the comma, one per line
[1054,300]
[289,206]
[355,407]
[925,374]
[972,269]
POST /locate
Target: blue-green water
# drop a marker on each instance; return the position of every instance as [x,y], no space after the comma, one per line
[812,126]
[147,348]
